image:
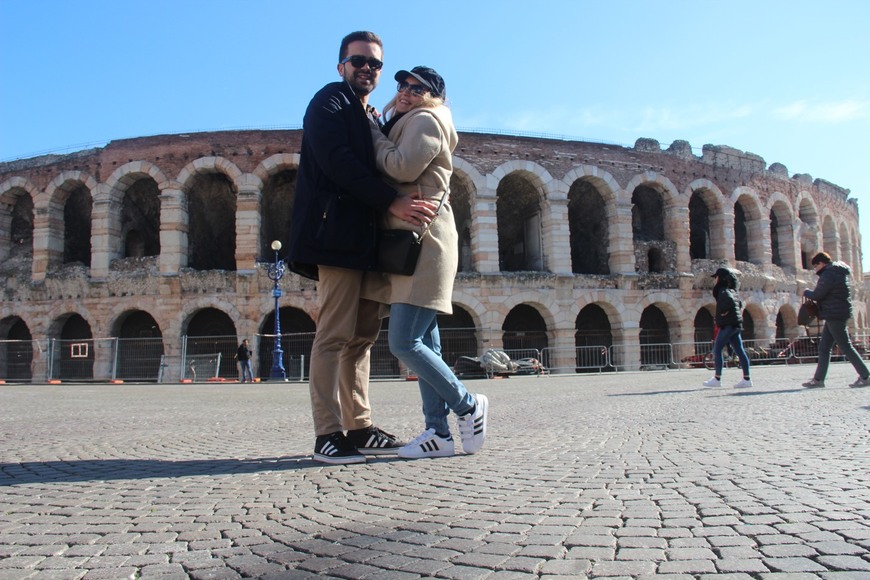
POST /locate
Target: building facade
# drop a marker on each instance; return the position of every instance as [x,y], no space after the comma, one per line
[564,245]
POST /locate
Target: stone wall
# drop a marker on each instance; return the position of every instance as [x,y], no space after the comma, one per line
[222,195]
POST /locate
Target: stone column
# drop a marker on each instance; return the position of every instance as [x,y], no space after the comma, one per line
[621,239]
[557,237]
[174,227]
[722,235]
[106,232]
[484,229]
[47,238]
[563,355]
[627,343]
[248,224]
[677,224]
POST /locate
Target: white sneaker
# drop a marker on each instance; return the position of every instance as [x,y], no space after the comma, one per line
[428,444]
[713,382]
[472,427]
[743,383]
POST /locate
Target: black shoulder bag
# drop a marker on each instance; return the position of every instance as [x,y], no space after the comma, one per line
[399,250]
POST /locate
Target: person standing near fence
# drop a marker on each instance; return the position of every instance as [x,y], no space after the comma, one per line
[833,294]
[729,320]
[339,198]
[417,155]
[243,356]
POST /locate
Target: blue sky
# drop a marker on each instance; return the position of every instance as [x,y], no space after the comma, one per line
[786,80]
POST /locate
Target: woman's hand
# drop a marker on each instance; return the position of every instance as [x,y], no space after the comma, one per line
[416,211]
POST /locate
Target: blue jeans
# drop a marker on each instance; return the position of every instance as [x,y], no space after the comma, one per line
[415,341]
[835,331]
[730,335]
[247,370]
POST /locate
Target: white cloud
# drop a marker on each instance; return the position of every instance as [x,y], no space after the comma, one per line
[829,112]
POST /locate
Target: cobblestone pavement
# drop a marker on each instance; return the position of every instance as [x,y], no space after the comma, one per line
[629,475]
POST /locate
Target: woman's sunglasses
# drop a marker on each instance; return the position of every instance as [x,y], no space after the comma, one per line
[416,90]
[359,61]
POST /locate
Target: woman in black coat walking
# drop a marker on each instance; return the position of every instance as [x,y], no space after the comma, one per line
[729,321]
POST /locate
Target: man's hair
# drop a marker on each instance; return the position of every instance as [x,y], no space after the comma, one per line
[821,258]
[363,35]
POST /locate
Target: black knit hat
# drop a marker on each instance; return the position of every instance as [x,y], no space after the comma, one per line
[428,77]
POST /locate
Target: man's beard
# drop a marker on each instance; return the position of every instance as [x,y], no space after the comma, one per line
[363,88]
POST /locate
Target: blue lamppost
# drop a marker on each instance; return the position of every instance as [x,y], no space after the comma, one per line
[276,272]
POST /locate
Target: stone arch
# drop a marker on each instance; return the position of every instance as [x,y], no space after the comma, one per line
[75,336]
[278,175]
[520,194]
[755,322]
[471,304]
[589,226]
[16,349]
[211,186]
[275,164]
[830,237]
[459,334]
[133,192]
[463,198]
[808,227]
[782,218]
[17,196]
[845,243]
[707,221]
[524,330]
[751,240]
[140,345]
[68,218]
[210,330]
[657,223]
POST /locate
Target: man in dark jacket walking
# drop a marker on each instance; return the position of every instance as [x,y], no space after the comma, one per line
[339,197]
[834,297]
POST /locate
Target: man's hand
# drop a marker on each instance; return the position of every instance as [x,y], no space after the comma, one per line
[416,211]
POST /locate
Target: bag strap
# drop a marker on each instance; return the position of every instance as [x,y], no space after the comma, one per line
[435,217]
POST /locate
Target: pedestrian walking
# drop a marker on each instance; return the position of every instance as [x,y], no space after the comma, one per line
[833,294]
[729,321]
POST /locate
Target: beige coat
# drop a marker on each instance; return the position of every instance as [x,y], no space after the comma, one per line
[417,157]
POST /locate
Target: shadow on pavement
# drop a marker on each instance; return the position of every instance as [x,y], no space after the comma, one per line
[113,469]
[669,392]
[750,392]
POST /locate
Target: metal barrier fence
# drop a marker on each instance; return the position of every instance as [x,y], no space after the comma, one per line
[139,359]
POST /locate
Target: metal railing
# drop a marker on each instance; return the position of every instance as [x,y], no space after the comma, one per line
[139,359]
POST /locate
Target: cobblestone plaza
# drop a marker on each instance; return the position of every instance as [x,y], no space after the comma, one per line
[624,475]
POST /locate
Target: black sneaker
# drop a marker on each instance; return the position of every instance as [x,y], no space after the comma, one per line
[373,441]
[336,449]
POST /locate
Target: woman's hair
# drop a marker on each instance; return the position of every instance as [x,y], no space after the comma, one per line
[429,101]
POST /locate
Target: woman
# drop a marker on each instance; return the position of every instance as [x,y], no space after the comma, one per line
[417,158]
[729,321]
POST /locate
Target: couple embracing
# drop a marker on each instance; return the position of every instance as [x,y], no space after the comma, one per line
[354,177]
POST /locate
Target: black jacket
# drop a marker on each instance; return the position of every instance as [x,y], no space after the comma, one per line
[729,308]
[339,195]
[833,293]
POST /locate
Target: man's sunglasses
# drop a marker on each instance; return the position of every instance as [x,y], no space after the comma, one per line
[359,61]
[416,90]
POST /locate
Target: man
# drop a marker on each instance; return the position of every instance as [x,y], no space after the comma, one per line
[339,198]
[834,297]
[243,355]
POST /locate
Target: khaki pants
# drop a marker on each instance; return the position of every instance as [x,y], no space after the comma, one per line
[347,327]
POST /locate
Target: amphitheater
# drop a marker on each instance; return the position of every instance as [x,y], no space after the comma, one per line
[590,256]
